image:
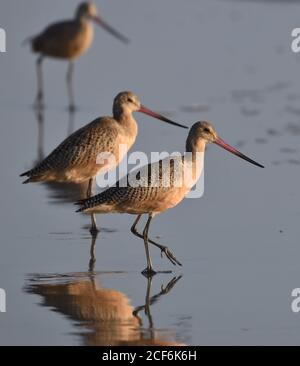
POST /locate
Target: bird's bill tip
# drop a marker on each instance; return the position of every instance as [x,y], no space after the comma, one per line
[234,151]
[98,20]
[156,115]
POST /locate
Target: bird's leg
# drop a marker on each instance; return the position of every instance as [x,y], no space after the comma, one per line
[164,250]
[40,119]
[92,254]
[71,122]
[150,300]
[93,230]
[149,271]
[40,91]
[89,188]
[133,227]
[145,307]
[70,86]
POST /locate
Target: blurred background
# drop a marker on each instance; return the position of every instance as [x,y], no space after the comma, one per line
[229,62]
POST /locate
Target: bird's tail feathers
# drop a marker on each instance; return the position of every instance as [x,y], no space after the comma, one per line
[91,202]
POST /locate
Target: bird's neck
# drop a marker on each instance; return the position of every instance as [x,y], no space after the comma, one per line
[125,118]
[82,19]
[194,146]
[194,160]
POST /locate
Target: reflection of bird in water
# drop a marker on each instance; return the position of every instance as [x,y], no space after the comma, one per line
[76,159]
[105,316]
[68,40]
[152,195]
[41,131]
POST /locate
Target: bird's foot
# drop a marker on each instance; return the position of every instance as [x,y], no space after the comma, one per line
[170,256]
[148,272]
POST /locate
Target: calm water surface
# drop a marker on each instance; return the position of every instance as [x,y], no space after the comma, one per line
[226,61]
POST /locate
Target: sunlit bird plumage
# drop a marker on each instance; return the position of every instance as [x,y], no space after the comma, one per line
[76,158]
[155,196]
[68,40]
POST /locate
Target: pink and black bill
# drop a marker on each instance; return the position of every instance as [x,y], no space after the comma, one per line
[110,29]
[147,111]
[234,151]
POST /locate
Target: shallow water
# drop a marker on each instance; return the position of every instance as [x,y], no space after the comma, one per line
[226,61]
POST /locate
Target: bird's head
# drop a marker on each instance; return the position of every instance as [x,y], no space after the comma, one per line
[87,10]
[203,132]
[127,102]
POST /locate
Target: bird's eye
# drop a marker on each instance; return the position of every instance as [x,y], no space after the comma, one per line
[206,129]
[130,100]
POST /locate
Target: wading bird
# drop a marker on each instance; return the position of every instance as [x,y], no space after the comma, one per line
[76,158]
[153,196]
[68,40]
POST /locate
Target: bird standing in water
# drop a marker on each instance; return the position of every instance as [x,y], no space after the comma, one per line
[76,159]
[153,196]
[68,40]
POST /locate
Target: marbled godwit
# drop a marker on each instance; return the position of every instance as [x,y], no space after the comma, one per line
[68,40]
[153,196]
[75,159]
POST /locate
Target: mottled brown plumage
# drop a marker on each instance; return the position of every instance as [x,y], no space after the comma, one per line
[151,195]
[68,40]
[75,159]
